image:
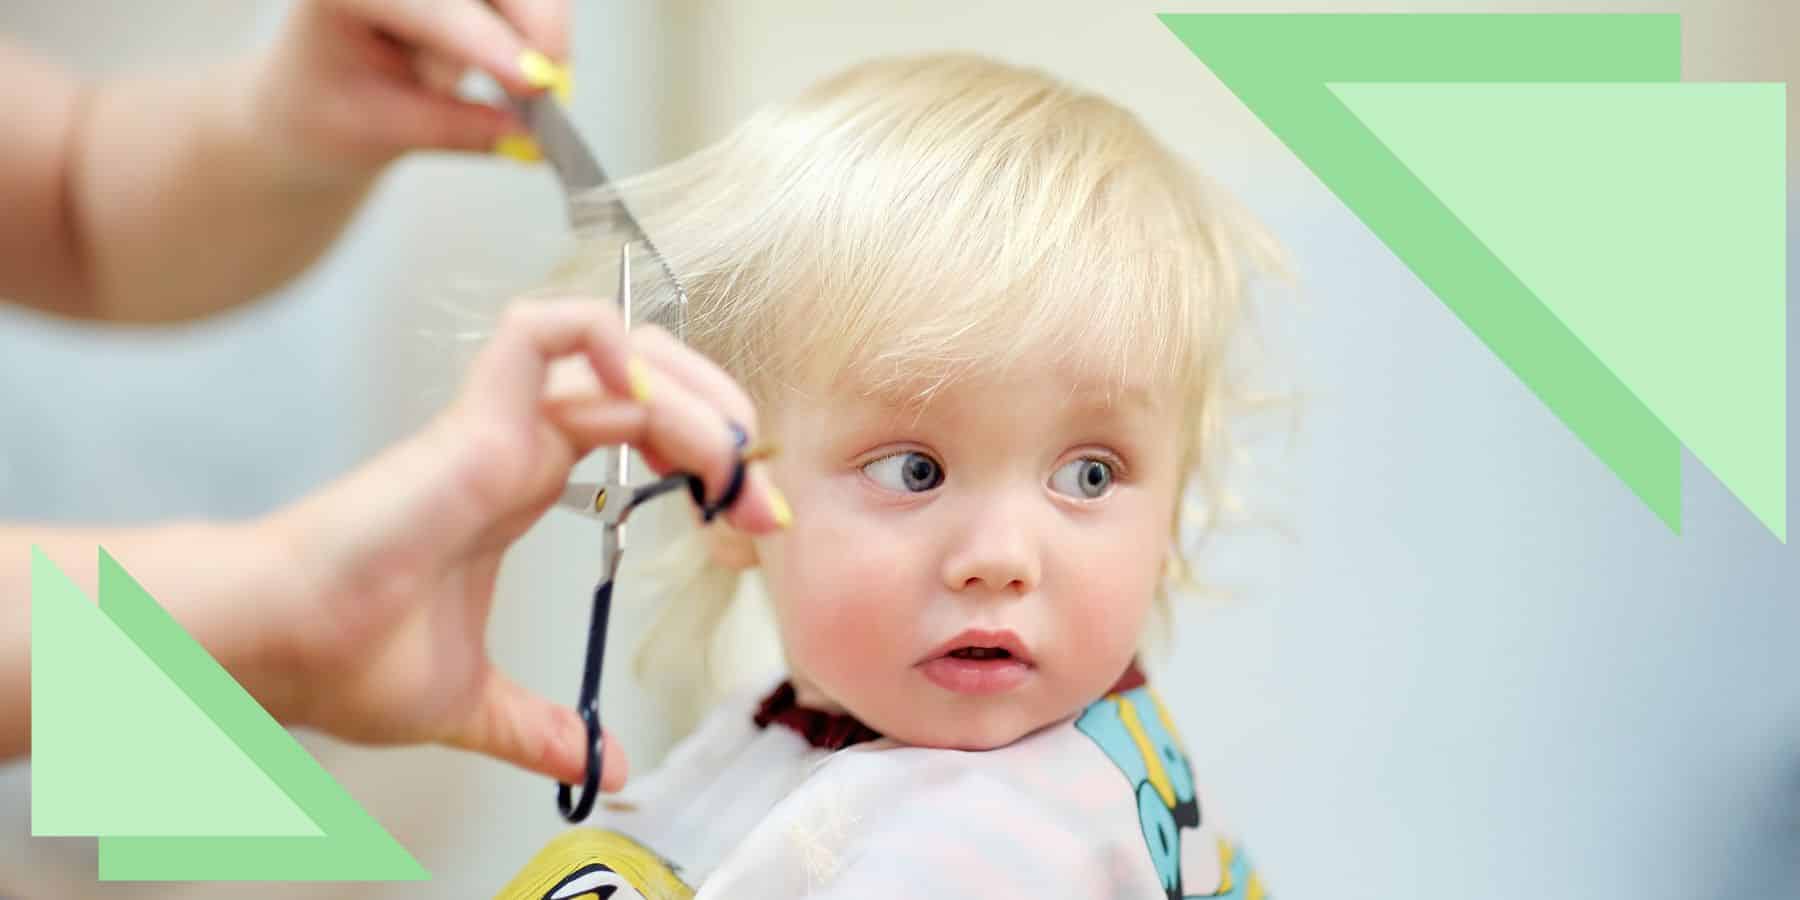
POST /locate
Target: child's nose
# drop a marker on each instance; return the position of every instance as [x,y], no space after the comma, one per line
[994,552]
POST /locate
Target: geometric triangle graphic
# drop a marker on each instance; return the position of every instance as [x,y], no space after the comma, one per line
[107,724]
[227,838]
[1281,66]
[1650,219]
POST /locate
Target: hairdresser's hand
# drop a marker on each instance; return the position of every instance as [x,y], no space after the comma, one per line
[387,644]
[352,84]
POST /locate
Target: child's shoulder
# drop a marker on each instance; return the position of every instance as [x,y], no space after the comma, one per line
[1100,805]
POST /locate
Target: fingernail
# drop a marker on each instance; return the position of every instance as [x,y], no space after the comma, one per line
[540,72]
[758,451]
[520,147]
[640,379]
[784,515]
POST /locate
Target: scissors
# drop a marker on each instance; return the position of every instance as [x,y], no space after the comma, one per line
[610,501]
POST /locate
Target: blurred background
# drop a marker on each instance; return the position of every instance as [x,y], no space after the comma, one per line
[1463,660]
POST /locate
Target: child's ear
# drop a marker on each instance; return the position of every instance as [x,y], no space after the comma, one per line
[730,548]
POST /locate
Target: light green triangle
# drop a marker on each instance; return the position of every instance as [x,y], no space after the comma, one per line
[118,748]
[1650,219]
[1279,65]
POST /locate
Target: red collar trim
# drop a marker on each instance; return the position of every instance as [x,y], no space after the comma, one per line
[835,731]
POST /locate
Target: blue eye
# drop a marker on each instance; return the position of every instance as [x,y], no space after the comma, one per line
[909,471]
[1086,478]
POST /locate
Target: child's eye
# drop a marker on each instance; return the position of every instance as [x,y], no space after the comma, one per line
[909,471]
[1086,478]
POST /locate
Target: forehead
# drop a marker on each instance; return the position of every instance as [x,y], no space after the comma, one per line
[1040,393]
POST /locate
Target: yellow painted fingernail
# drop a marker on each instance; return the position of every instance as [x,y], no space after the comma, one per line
[640,379]
[538,70]
[520,147]
[784,514]
[759,451]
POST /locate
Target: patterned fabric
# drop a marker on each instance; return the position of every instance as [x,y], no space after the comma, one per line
[1102,805]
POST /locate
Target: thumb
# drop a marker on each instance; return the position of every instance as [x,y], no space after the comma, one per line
[517,726]
[412,116]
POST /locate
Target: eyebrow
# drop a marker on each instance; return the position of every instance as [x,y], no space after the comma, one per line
[900,403]
[1106,396]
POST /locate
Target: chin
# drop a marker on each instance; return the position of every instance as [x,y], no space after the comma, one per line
[982,731]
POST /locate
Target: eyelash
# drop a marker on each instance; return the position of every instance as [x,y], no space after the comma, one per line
[1120,472]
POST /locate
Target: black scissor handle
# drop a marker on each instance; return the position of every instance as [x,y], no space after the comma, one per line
[576,809]
[589,708]
[734,487]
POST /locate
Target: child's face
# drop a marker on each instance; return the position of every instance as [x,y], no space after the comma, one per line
[962,575]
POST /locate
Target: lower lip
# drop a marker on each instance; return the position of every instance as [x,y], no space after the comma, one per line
[976,676]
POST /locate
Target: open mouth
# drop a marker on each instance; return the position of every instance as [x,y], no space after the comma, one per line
[980,661]
[980,653]
[984,645]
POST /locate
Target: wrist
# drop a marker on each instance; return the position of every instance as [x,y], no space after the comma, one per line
[263,590]
[342,560]
[221,582]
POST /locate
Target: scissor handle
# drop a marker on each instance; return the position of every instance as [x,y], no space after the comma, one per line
[576,809]
[590,783]
[734,487]
[589,707]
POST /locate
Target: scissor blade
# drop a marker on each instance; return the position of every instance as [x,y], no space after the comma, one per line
[580,497]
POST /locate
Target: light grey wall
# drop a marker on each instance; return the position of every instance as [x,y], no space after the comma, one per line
[1484,669]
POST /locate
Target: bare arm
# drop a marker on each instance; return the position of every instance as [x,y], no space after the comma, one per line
[153,199]
[156,199]
[213,579]
[361,610]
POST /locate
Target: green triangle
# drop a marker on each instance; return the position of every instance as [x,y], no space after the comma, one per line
[117,748]
[346,843]
[1279,66]
[1650,219]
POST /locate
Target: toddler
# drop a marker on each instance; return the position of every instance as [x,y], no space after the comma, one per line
[987,318]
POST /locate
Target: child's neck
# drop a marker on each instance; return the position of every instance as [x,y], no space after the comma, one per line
[805,694]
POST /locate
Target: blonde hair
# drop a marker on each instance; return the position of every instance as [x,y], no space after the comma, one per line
[919,220]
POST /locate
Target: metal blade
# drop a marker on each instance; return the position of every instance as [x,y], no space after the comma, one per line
[575,165]
[589,207]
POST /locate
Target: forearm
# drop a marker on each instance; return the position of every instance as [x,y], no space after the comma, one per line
[183,202]
[218,581]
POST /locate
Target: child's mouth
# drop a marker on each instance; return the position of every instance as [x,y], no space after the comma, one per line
[981,653]
[979,662]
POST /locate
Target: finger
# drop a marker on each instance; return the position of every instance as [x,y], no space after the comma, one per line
[676,429]
[695,372]
[589,420]
[438,73]
[511,370]
[763,508]
[760,508]
[592,422]
[419,117]
[686,431]
[468,31]
[544,23]
[517,726]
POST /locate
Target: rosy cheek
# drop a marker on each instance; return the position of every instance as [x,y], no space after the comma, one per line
[839,592]
[1118,585]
